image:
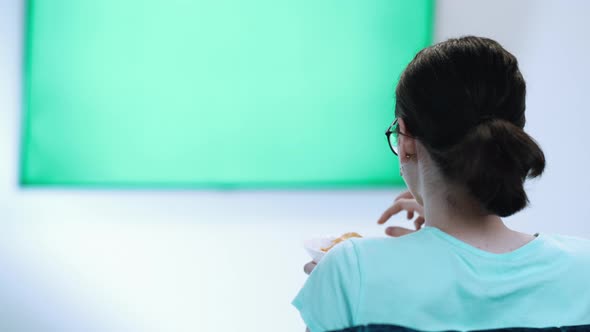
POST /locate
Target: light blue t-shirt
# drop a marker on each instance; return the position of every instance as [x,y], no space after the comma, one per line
[430,280]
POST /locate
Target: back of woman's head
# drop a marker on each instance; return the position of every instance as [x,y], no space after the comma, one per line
[464,100]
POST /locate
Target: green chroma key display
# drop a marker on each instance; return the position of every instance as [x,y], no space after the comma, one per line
[215,94]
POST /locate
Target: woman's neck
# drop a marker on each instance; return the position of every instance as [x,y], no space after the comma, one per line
[459,219]
[463,219]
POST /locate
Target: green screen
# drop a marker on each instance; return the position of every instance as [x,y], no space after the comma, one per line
[215,94]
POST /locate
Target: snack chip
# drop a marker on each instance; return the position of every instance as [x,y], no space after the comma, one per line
[337,240]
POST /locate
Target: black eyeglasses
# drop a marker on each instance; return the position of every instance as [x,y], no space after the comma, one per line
[392,139]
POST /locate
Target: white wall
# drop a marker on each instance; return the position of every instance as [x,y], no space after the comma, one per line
[214,261]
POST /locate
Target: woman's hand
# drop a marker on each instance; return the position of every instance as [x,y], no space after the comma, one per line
[405,201]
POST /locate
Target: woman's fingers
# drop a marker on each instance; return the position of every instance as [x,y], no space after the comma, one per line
[419,222]
[307,268]
[406,194]
[409,205]
[404,201]
[397,231]
[394,209]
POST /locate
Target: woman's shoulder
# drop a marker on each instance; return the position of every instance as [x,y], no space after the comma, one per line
[569,239]
[410,244]
[397,241]
[426,245]
[380,241]
[571,245]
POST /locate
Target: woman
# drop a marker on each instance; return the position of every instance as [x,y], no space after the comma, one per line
[464,157]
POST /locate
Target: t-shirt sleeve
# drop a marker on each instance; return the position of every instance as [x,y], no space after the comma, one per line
[330,297]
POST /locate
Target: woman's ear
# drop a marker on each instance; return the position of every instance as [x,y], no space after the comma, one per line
[406,143]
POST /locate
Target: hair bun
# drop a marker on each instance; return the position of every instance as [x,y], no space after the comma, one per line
[493,160]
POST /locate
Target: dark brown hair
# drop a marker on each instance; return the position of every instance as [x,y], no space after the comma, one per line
[464,100]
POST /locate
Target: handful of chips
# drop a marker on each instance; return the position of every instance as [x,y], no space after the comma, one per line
[318,246]
[337,240]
